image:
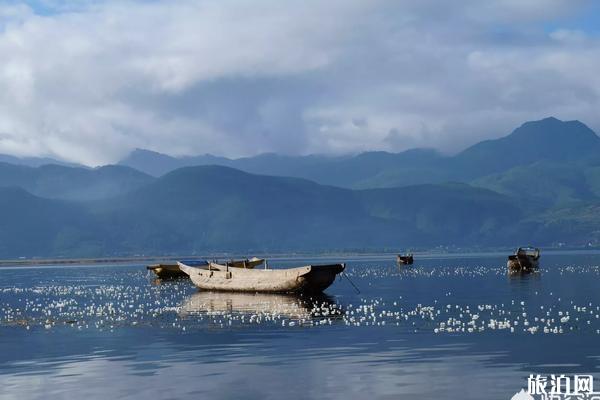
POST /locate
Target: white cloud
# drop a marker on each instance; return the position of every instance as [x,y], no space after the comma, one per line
[568,35]
[88,81]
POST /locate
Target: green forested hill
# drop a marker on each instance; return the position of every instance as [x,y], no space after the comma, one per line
[545,184]
[200,209]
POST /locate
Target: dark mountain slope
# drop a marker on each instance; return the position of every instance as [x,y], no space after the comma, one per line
[211,208]
[32,226]
[448,213]
[214,207]
[219,207]
[545,184]
[578,225]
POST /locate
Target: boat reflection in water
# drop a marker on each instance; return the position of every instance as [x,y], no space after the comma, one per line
[266,306]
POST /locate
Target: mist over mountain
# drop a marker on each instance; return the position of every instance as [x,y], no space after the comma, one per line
[72,183]
[539,185]
[546,140]
[157,164]
[35,161]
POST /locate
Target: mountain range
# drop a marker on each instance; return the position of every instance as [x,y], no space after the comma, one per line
[548,140]
[538,185]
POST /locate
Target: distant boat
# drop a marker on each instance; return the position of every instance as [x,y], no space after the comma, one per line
[310,278]
[406,259]
[525,260]
[172,271]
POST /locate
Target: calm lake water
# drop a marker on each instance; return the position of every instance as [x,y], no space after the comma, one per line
[451,327]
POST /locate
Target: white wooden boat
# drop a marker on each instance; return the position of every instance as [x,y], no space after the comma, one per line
[310,278]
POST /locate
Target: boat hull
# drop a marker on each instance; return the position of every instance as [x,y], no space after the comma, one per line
[522,265]
[310,278]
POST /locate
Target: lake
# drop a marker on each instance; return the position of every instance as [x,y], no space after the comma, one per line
[450,326]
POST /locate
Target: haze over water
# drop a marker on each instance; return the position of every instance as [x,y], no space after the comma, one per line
[447,327]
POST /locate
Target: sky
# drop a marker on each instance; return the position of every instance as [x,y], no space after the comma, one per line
[88,81]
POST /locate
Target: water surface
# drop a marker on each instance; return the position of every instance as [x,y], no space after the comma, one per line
[447,327]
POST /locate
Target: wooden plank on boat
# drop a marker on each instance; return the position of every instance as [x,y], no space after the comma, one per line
[247,263]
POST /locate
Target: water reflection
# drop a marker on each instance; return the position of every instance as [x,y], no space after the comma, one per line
[520,278]
[289,306]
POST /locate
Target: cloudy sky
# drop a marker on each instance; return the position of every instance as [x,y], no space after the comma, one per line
[90,80]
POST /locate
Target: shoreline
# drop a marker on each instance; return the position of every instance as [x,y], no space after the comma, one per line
[275,256]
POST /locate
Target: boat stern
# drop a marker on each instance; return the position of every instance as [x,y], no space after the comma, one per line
[321,277]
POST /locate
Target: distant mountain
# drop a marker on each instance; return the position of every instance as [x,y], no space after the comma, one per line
[60,182]
[540,184]
[412,166]
[547,140]
[157,164]
[35,161]
[346,171]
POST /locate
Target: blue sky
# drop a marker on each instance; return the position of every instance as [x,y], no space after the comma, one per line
[587,19]
[88,81]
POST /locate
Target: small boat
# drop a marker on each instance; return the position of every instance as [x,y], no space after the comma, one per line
[524,261]
[171,270]
[247,263]
[310,278]
[406,259]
